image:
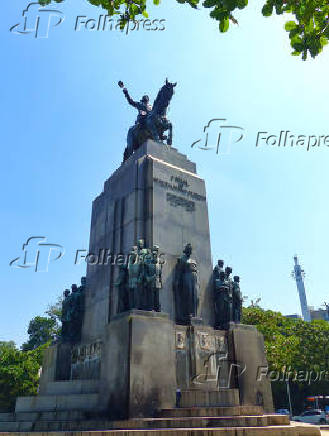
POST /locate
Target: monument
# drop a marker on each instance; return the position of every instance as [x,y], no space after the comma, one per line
[158,319]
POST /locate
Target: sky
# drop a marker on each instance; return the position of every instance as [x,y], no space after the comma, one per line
[63,130]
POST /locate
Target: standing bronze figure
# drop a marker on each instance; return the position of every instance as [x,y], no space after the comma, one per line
[186,287]
[153,279]
[237,300]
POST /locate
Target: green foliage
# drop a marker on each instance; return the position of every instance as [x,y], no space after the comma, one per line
[19,373]
[54,312]
[303,346]
[44,329]
[19,369]
[293,345]
[10,344]
[308,34]
[41,330]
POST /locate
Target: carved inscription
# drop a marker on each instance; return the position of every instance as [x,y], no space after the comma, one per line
[179,185]
[85,363]
[175,201]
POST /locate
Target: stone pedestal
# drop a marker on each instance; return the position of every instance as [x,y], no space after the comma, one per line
[138,371]
[156,195]
[247,351]
[56,365]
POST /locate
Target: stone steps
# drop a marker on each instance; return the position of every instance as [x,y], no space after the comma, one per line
[211,411]
[192,421]
[284,430]
[68,415]
[148,423]
[80,415]
[7,417]
[53,403]
[210,398]
[70,387]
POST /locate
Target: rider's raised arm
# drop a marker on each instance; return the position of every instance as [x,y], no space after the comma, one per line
[129,99]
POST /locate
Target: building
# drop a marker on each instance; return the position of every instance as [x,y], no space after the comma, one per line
[319,314]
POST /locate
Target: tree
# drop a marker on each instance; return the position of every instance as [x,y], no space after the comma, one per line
[54,311]
[19,373]
[308,32]
[44,329]
[294,347]
[41,330]
[10,344]
[19,369]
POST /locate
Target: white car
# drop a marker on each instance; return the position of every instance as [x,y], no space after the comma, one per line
[315,416]
[283,412]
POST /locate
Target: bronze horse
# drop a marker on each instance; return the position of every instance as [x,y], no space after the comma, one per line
[156,122]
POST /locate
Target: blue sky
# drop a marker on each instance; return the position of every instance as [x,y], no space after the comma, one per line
[64,125]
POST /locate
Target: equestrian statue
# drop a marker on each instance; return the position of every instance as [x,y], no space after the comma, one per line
[151,121]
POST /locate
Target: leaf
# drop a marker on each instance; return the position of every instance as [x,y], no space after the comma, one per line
[224,25]
[290,25]
[267,10]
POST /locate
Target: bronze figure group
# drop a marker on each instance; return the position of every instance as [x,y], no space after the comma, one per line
[140,280]
[227,297]
[72,312]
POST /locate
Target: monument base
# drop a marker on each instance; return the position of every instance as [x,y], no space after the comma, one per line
[193,421]
[135,368]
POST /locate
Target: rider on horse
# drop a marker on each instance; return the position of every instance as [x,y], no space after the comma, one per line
[151,122]
[143,108]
